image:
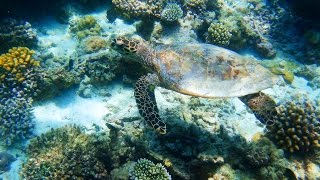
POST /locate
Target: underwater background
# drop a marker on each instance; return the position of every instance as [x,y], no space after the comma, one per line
[67,104]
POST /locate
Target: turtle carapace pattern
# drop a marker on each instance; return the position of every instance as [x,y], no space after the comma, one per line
[195,69]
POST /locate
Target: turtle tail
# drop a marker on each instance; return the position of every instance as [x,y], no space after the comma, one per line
[262,106]
[146,101]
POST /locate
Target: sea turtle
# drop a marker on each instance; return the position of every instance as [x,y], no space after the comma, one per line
[195,69]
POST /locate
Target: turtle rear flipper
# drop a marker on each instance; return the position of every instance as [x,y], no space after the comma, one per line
[262,106]
[146,101]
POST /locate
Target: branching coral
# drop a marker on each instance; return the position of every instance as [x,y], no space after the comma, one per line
[147,170]
[16,62]
[15,119]
[297,127]
[172,12]
[16,33]
[218,34]
[140,8]
[85,26]
[64,153]
[19,84]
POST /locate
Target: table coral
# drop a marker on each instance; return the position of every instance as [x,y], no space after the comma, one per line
[297,127]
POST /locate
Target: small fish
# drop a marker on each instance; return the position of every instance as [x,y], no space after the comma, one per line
[70,64]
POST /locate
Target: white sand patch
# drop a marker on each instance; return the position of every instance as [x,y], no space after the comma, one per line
[247,125]
[69,108]
[56,38]
[298,90]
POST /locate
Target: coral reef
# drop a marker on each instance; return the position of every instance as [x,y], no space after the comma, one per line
[101,67]
[196,6]
[171,13]
[84,27]
[64,153]
[261,158]
[297,127]
[147,170]
[218,34]
[140,8]
[20,83]
[93,44]
[15,119]
[5,160]
[16,62]
[16,33]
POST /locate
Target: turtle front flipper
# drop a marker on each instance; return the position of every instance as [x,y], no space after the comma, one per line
[146,101]
[262,106]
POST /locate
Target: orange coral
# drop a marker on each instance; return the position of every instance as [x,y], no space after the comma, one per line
[16,61]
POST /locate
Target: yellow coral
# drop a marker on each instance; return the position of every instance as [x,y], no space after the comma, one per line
[16,61]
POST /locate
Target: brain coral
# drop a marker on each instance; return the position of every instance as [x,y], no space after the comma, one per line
[297,127]
[140,8]
[218,34]
[147,170]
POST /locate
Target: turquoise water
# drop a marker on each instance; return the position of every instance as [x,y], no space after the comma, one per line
[159,89]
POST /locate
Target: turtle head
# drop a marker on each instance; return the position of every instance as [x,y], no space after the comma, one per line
[136,49]
[125,45]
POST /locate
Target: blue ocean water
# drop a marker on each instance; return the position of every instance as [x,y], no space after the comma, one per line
[185,89]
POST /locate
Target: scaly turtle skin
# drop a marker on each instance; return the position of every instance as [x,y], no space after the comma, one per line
[195,69]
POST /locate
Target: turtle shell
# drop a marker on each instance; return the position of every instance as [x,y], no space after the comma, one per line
[206,70]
